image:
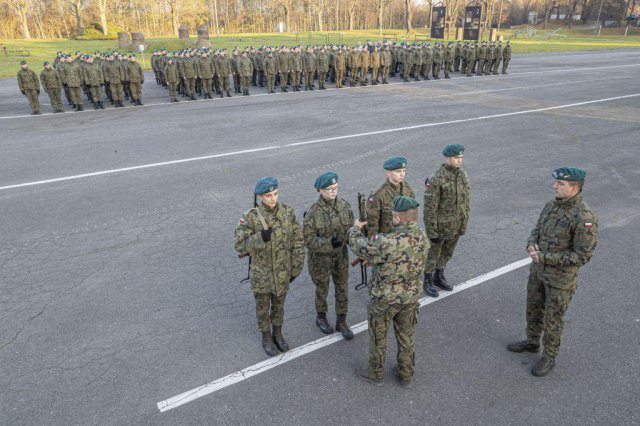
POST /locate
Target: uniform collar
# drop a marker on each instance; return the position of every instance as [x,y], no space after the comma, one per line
[328,203]
[451,169]
[571,201]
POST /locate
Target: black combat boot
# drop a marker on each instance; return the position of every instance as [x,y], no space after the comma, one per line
[221,95]
[343,327]
[441,281]
[140,102]
[523,346]
[281,343]
[268,345]
[362,371]
[544,366]
[404,383]
[228,94]
[193,97]
[96,106]
[121,104]
[323,324]
[428,287]
[101,105]
[80,107]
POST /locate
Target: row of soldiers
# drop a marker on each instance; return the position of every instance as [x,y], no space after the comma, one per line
[115,75]
[205,71]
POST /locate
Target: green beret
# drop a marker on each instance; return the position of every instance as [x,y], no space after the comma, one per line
[569,173]
[23,62]
[395,163]
[453,150]
[402,203]
[46,63]
[326,179]
[266,184]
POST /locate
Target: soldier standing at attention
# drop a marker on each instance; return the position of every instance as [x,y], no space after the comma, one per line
[562,241]
[339,67]
[29,86]
[379,218]
[135,76]
[471,59]
[326,225]
[398,261]
[270,67]
[498,56]
[172,77]
[437,61]
[449,56]
[52,84]
[457,57]
[322,64]
[245,68]
[506,57]
[446,214]
[223,71]
[94,79]
[272,236]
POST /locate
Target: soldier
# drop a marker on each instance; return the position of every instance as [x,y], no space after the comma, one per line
[339,67]
[29,86]
[446,214]
[189,76]
[94,79]
[488,63]
[465,49]
[506,57]
[325,227]
[481,57]
[73,77]
[562,241]
[354,66]
[52,84]
[205,73]
[437,61]
[471,59]
[258,58]
[457,57]
[172,77]
[245,68]
[296,68]
[135,76]
[398,261]
[379,219]
[114,75]
[364,66]
[385,63]
[427,61]
[284,67]
[449,56]
[498,58]
[322,65]
[272,236]
[223,72]
[61,68]
[309,64]
[270,69]
[407,63]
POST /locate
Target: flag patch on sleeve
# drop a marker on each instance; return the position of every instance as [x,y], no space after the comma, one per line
[588,225]
[242,221]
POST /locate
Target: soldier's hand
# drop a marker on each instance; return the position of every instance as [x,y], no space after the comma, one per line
[22,91]
[38,91]
[533,253]
[335,242]
[266,234]
[359,224]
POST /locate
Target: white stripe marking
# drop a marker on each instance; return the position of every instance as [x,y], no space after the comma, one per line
[335,138]
[294,353]
[459,79]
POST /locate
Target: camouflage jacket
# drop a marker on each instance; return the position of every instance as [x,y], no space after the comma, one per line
[449,54]
[223,66]
[50,79]
[428,56]
[437,56]
[28,80]
[270,65]
[171,73]
[74,75]
[188,68]
[296,61]
[398,259]
[322,62]
[323,221]
[309,63]
[134,73]
[245,67]
[446,203]
[338,61]
[272,263]
[379,216]
[113,72]
[506,52]
[385,58]
[92,75]
[498,52]
[566,234]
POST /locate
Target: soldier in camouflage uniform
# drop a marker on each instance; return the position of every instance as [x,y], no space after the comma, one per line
[506,57]
[270,67]
[498,58]
[223,71]
[325,228]
[52,84]
[562,241]
[172,77]
[398,261]
[446,214]
[449,55]
[339,67]
[322,65]
[245,70]
[272,236]
[29,86]
[379,217]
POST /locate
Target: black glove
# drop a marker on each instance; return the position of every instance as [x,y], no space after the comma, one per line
[435,240]
[22,92]
[38,91]
[266,234]
[335,242]
[291,279]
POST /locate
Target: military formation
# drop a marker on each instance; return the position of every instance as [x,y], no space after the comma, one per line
[405,259]
[204,72]
[111,75]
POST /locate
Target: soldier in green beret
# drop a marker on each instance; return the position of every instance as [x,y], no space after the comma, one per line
[52,84]
[398,259]
[29,86]
[562,241]
[271,234]
[379,203]
[446,213]
[325,228]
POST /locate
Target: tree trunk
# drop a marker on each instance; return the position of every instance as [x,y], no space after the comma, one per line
[215,18]
[22,14]
[351,16]
[380,16]
[408,15]
[77,8]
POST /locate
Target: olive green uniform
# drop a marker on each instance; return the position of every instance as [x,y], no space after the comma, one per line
[327,219]
[93,79]
[30,87]
[379,204]
[172,77]
[135,76]
[52,84]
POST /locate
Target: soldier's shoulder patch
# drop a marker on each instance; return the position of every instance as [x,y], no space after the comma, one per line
[242,221]
[588,224]
[375,237]
[371,200]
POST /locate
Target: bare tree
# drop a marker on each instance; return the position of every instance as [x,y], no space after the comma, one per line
[102,6]
[21,8]
[408,14]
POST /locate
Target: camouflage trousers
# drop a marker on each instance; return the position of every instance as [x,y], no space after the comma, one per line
[269,310]
[136,90]
[405,319]
[74,92]
[54,97]
[96,93]
[339,77]
[206,86]
[271,82]
[496,64]
[32,97]
[546,306]
[436,69]
[223,84]
[440,253]
[245,82]
[322,268]
[190,86]
[505,64]
[117,92]
[173,85]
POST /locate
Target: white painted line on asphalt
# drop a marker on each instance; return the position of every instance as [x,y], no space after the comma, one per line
[316,141]
[294,353]
[458,79]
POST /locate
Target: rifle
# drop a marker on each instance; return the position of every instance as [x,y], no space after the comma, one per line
[362,206]
[243,255]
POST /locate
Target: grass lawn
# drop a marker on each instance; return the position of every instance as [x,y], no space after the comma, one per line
[38,51]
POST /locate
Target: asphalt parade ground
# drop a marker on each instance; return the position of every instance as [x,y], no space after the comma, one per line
[120,293]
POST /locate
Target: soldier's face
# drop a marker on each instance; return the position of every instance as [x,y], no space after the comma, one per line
[330,192]
[563,190]
[396,176]
[270,199]
[454,161]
